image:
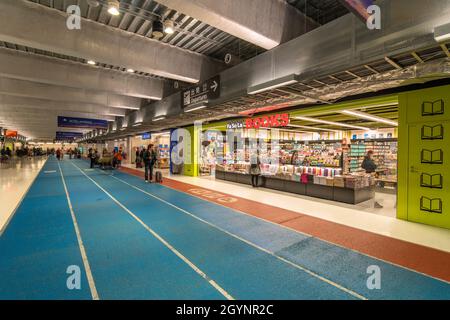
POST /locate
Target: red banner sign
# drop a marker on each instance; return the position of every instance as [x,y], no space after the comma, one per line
[273,121]
[11,134]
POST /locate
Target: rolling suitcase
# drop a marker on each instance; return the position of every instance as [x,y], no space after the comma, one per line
[158,177]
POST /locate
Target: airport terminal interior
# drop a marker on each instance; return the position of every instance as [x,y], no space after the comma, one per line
[224,150]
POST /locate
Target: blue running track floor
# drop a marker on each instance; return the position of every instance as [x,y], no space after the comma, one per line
[147,241]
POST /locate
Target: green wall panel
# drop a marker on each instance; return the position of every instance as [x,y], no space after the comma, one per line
[424,156]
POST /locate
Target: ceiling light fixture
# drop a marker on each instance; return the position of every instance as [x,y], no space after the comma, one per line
[442,33]
[115,115]
[158,118]
[194,107]
[91,62]
[367,116]
[113,7]
[338,124]
[157,29]
[169,27]
[137,124]
[130,70]
[127,107]
[273,84]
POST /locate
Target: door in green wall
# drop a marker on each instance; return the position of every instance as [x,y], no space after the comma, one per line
[429,183]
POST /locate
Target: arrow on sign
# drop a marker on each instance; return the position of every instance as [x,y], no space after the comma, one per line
[214,86]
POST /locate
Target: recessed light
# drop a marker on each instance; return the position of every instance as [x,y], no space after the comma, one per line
[91,62]
[113,7]
[169,27]
[130,70]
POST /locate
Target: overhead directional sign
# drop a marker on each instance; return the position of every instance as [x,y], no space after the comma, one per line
[70,122]
[66,136]
[201,93]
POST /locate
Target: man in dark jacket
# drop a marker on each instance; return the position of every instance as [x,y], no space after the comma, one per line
[368,164]
[149,158]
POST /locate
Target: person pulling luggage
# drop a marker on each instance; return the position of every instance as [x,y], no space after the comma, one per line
[149,159]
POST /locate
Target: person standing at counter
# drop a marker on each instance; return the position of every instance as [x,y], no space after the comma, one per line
[369,165]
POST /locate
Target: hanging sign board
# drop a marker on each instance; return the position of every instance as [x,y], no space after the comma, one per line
[203,92]
[68,136]
[146,136]
[82,123]
[11,134]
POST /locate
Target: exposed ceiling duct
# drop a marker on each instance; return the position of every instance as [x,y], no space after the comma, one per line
[324,59]
[45,29]
[272,23]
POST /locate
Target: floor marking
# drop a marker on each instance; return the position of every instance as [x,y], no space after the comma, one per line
[357,295]
[87,267]
[50,171]
[312,236]
[162,240]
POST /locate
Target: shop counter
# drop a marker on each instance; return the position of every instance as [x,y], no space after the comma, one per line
[338,194]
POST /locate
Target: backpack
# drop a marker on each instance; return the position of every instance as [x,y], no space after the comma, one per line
[158,176]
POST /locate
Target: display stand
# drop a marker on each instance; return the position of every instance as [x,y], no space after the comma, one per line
[339,194]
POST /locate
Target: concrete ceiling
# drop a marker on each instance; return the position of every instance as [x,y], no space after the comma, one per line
[43,65]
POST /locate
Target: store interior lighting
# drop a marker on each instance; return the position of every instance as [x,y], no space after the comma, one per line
[367,116]
[312,128]
[113,7]
[337,124]
[130,70]
[91,62]
[273,84]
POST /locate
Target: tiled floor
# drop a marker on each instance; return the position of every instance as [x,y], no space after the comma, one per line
[359,216]
[15,180]
[136,240]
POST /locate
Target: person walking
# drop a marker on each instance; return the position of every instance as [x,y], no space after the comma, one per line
[149,159]
[138,159]
[118,157]
[58,154]
[92,157]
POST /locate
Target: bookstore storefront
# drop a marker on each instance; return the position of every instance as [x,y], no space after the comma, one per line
[362,153]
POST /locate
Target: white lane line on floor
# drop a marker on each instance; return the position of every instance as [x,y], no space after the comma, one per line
[316,237]
[351,292]
[162,240]
[87,266]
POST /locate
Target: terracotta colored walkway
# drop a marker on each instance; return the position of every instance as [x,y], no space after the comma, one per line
[426,260]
